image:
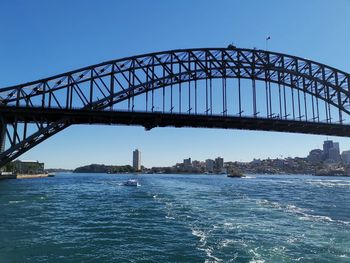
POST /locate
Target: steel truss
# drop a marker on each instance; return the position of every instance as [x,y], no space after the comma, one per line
[309,89]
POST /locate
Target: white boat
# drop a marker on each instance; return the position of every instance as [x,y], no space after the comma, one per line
[130,182]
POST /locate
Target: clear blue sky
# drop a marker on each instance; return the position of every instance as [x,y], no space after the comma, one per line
[42,38]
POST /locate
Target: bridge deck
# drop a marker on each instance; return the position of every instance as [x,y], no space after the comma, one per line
[151,120]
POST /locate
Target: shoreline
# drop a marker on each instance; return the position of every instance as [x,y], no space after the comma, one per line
[44,175]
[23,176]
[31,176]
[214,174]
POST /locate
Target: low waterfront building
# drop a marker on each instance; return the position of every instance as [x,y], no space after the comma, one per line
[28,167]
[256,161]
[197,164]
[316,156]
[278,163]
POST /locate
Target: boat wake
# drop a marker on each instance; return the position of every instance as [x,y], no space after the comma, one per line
[303,213]
[204,247]
[330,183]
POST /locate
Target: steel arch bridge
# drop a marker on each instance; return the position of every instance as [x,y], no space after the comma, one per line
[206,87]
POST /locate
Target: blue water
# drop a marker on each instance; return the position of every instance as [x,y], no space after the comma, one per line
[175,218]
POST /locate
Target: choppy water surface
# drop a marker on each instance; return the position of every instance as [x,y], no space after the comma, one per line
[175,218]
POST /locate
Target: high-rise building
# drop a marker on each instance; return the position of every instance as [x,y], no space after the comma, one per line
[187,162]
[219,164]
[336,145]
[326,146]
[334,154]
[346,157]
[209,165]
[136,160]
[331,151]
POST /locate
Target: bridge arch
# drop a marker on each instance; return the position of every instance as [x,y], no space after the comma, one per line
[187,76]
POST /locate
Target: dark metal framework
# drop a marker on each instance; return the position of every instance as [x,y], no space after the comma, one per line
[209,87]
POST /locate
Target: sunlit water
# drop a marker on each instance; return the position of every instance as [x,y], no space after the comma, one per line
[175,218]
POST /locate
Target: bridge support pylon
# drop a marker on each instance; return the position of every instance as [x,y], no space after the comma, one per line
[2,140]
[2,137]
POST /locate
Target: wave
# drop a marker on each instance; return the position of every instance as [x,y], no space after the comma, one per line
[200,234]
[203,246]
[330,183]
[249,177]
[322,218]
[226,242]
[303,213]
[212,258]
[256,256]
[174,211]
[16,202]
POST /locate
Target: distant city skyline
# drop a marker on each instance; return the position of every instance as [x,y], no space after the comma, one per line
[45,45]
[330,152]
[327,150]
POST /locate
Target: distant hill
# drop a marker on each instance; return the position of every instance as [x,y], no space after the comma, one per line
[101,168]
[58,170]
